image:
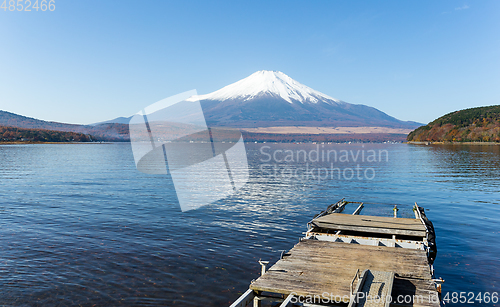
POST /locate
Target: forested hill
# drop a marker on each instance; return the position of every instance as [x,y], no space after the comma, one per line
[470,125]
[12,134]
[111,132]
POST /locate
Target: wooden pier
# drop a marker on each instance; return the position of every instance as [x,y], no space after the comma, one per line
[353,260]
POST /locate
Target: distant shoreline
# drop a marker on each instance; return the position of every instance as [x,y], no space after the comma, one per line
[408,142]
[28,142]
[452,143]
[287,130]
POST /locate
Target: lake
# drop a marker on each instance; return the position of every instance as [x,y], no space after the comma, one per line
[79,225]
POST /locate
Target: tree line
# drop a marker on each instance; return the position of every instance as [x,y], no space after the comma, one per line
[470,125]
[13,134]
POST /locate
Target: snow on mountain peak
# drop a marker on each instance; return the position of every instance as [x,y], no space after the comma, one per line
[268,82]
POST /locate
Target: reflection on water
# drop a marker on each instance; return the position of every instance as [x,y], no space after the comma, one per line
[79,225]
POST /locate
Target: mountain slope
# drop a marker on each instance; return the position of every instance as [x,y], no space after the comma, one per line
[118,120]
[102,132]
[480,124]
[15,120]
[269,98]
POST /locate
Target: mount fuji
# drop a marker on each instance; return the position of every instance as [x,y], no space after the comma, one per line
[273,99]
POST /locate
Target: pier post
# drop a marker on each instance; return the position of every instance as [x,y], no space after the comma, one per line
[263,266]
[256,300]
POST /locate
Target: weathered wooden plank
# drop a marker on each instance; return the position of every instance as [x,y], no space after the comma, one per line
[374,289]
[365,225]
[419,295]
[300,287]
[422,292]
[401,232]
[335,224]
[332,250]
[373,218]
[339,219]
[343,274]
[311,244]
[349,269]
[314,267]
[328,247]
[359,255]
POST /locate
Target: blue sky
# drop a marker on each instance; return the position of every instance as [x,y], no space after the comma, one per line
[90,61]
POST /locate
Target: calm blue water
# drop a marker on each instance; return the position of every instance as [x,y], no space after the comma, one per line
[79,225]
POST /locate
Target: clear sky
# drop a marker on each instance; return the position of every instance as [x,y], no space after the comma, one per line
[91,61]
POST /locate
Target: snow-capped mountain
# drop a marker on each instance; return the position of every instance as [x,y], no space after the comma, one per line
[271,83]
[271,98]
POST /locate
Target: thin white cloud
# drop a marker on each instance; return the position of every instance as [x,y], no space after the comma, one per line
[463,7]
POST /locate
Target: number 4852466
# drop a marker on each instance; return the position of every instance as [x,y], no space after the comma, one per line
[27,5]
